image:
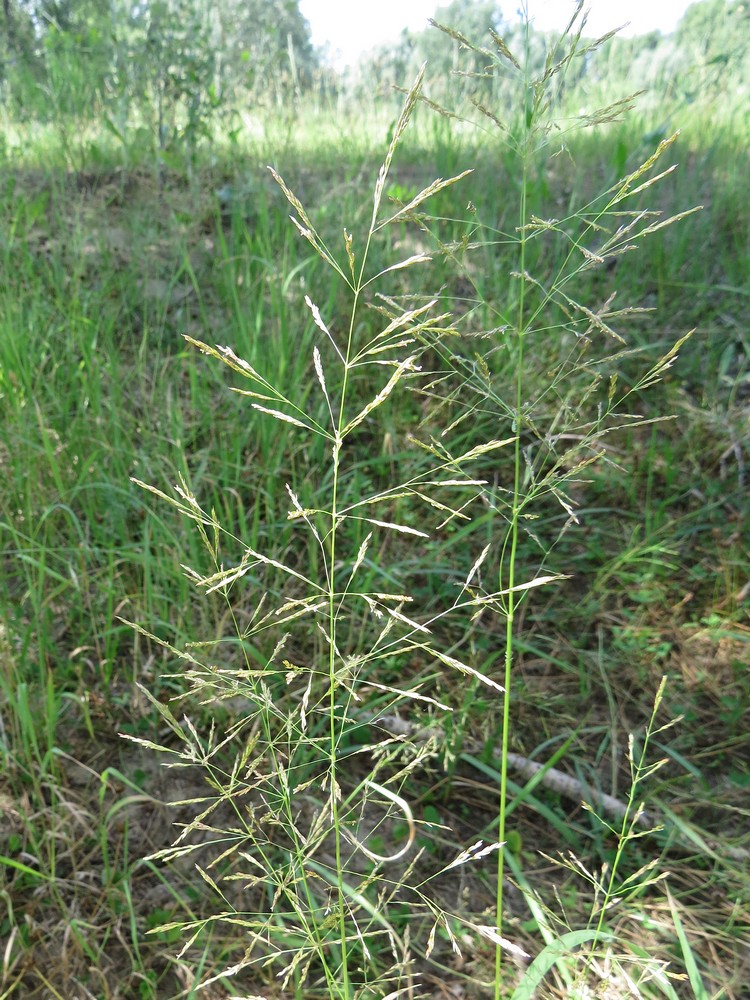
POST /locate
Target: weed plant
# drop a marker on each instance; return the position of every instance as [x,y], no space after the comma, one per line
[306,838]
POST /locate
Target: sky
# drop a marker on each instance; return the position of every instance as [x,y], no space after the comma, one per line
[351,27]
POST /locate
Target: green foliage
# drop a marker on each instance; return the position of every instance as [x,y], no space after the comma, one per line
[708,54]
[175,66]
[714,42]
[460,59]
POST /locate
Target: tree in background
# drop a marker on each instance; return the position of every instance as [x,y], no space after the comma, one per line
[167,66]
[265,44]
[714,39]
[389,66]
[708,52]
[17,41]
[161,73]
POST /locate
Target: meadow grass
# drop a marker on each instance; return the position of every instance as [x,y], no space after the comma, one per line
[104,271]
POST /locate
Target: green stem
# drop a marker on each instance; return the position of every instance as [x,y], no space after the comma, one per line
[638,768]
[333,759]
[332,619]
[510,584]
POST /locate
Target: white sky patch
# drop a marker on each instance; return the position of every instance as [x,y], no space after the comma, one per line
[604,15]
[349,28]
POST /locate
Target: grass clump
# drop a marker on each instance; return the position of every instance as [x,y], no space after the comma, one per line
[439,547]
[332,888]
[318,766]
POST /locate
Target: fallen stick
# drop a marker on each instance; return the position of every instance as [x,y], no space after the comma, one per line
[564,785]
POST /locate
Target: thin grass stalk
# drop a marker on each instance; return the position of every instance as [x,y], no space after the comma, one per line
[332,622]
[513,600]
[332,616]
[357,286]
[628,827]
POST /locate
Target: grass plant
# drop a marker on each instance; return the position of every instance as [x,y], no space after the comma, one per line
[416,659]
[581,401]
